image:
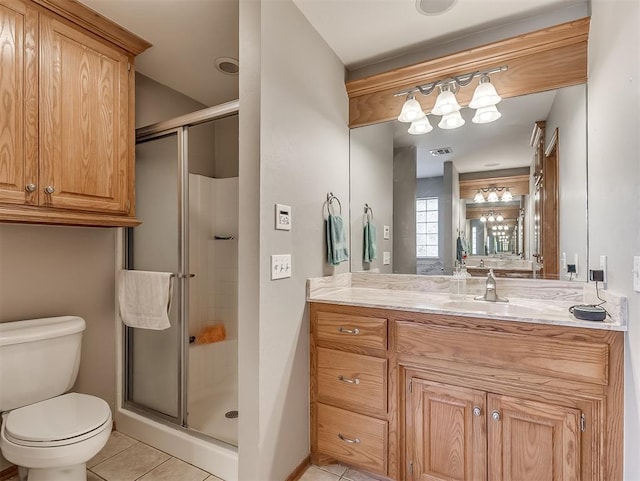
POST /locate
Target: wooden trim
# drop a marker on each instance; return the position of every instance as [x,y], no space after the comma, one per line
[299,469]
[542,60]
[91,20]
[39,215]
[8,473]
[518,185]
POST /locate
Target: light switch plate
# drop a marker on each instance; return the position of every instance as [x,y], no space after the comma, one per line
[386,258]
[283,217]
[386,232]
[280,266]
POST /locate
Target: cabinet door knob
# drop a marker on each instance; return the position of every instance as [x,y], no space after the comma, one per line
[349,440]
[30,187]
[49,189]
[495,415]
[477,411]
[347,380]
[344,330]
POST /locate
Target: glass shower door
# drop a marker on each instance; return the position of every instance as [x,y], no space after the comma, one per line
[154,358]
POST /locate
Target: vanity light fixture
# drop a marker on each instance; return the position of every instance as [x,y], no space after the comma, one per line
[421,126]
[446,105]
[492,196]
[491,217]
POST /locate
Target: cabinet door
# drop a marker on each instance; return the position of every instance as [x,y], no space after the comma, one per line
[532,441]
[19,103]
[83,121]
[445,433]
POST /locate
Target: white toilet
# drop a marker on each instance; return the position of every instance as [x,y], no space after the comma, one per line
[48,434]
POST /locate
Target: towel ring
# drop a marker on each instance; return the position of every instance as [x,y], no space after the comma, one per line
[330,199]
[368,212]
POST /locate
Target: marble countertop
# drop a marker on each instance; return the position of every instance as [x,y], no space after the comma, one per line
[410,293]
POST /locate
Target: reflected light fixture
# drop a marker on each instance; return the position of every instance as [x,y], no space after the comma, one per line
[484,100]
[499,218]
[493,196]
[491,218]
[506,197]
[483,218]
[421,126]
[411,110]
[478,198]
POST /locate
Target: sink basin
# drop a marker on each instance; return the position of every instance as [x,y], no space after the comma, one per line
[517,308]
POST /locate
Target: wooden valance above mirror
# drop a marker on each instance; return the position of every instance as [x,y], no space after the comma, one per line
[542,60]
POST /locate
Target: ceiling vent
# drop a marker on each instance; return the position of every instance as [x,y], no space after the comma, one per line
[434,7]
[228,65]
[441,151]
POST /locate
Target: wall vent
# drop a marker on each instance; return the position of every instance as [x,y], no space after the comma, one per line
[441,151]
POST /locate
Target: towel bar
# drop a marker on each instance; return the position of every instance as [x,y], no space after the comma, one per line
[182,276]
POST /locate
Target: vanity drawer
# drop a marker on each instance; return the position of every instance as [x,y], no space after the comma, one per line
[355,439]
[352,381]
[356,331]
[565,359]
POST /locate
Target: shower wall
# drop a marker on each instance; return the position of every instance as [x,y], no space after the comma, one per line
[213,294]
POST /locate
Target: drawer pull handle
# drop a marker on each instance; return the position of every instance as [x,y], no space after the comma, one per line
[348,440]
[343,330]
[347,380]
[477,411]
[495,415]
[49,189]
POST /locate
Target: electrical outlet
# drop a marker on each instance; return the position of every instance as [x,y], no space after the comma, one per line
[603,268]
[636,273]
[386,232]
[280,266]
[386,258]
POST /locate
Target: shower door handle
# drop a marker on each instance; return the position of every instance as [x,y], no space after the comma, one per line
[183,276]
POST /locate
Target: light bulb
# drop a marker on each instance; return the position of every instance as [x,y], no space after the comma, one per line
[411,110]
[485,115]
[446,102]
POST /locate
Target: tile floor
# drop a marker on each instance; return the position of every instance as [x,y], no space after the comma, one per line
[125,459]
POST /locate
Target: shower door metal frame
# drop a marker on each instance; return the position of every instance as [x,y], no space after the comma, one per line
[180,127]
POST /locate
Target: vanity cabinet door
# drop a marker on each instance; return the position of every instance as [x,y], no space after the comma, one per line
[18,108]
[445,432]
[532,441]
[83,121]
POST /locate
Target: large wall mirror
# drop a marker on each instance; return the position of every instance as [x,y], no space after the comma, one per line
[424,188]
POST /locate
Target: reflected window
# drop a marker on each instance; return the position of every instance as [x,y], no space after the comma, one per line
[427,227]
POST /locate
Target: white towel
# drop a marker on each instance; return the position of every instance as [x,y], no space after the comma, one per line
[144,299]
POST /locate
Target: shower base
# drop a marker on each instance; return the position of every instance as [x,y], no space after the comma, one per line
[208,415]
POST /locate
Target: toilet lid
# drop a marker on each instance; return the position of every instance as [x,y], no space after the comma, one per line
[60,420]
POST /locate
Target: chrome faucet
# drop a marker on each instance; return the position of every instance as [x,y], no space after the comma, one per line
[490,293]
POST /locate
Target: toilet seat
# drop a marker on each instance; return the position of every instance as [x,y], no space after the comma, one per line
[63,420]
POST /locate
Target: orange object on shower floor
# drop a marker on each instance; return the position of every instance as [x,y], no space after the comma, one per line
[211,334]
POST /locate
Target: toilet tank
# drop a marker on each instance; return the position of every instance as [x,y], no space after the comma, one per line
[39,359]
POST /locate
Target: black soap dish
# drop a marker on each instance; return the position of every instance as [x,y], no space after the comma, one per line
[588,312]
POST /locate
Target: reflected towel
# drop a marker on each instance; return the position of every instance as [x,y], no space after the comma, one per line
[370,249]
[337,250]
[143,298]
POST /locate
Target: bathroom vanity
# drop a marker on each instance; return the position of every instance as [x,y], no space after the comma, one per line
[408,384]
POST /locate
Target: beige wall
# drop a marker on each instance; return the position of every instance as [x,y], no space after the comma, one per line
[614,177]
[297,153]
[52,271]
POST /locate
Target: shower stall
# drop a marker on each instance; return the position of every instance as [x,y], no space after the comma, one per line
[184,380]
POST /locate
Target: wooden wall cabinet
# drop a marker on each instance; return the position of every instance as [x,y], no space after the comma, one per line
[67,136]
[465,399]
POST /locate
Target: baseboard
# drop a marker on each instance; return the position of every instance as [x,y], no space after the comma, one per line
[8,473]
[299,470]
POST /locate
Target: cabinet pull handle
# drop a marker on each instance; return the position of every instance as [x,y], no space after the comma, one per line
[477,411]
[49,189]
[343,330]
[30,187]
[348,440]
[495,415]
[347,380]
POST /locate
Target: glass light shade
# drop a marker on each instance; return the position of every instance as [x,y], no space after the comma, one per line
[478,198]
[486,115]
[411,110]
[422,126]
[485,95]
[483,218]
[492,197]
[494,228]
[451,120]
[506,227]
[446,103]
[507,197]
[491,218]
[499,218]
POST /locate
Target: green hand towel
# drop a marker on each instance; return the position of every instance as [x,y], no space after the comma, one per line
[337,250]
[370,250]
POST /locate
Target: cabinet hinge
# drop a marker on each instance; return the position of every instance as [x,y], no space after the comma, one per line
[583,422]
[411,467]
